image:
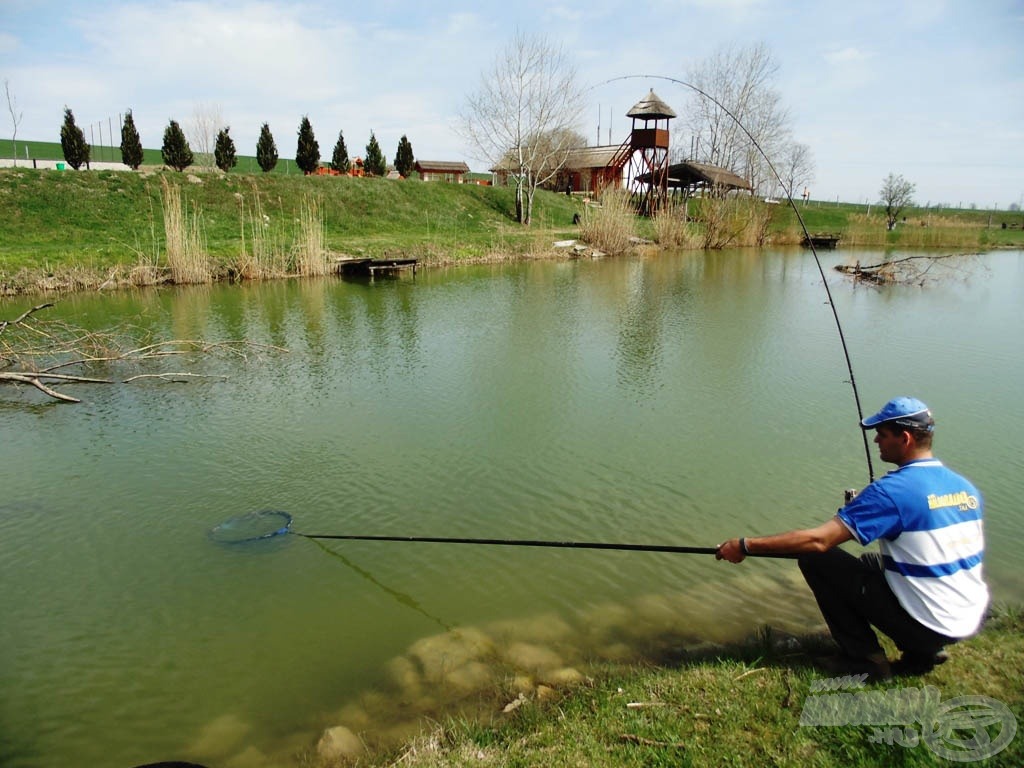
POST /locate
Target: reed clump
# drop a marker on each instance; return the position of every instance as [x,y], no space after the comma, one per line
[310,249]
[732,221]
[672,228]
[262,255]
[185,245]
[611,224]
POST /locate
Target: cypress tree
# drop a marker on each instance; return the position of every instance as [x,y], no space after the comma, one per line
[176,151]
[374,164]
[307,154]
[224,152]
[266,149]
[131,144]
[339,160]
[404,159]
[72,142]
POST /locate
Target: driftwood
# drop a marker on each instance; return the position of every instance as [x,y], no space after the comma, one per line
[908,270]
[32,351]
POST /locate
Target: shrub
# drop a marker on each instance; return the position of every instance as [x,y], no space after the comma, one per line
[610,224]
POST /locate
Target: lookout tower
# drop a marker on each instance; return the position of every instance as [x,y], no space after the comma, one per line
[648,152]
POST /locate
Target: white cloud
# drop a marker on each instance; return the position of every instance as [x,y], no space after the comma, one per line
[848,55]
[398,66]
[8,44]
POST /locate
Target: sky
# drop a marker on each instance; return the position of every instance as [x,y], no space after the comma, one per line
[932,90]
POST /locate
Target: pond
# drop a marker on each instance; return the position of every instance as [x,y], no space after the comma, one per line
[677,399]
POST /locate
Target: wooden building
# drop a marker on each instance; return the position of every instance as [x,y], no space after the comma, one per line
[441,170]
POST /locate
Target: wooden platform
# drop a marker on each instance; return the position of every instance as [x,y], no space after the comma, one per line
[821,241]
[373,267]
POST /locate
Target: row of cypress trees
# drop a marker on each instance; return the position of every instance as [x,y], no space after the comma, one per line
[177,154]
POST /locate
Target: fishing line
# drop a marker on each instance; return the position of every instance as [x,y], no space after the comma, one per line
[268,524]
[803,227]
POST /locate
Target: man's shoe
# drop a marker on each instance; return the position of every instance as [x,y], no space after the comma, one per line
[877,670]
[914,664]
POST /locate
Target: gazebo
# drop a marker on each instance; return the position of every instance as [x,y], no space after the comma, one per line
[691,177]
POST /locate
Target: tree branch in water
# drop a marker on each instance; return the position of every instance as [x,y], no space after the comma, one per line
[916,269]
[33,350]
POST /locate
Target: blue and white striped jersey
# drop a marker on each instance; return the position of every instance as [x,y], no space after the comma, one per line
[928,523]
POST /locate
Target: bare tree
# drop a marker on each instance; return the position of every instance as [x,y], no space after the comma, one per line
[896,193]
[796,167]
[12,107]
[202,129]
[523,115]
[740,80]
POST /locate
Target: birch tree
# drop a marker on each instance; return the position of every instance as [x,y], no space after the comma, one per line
[741,81]
[522,115]
[202,129]
[16,116]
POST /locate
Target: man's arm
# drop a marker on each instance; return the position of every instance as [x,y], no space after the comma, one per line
[820,539]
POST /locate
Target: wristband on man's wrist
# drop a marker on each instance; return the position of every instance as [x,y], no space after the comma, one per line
[743,546]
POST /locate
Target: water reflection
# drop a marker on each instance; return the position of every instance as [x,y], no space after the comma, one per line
[677,399]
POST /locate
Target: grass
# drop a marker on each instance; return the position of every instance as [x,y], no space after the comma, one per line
[55,225]
[740,706]
[918,227]
[102,220]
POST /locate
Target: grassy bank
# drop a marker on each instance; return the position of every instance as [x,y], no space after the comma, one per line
[98,221]
[67,230]
[735,706]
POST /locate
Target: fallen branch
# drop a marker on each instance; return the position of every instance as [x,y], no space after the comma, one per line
[904,270]
[634,739]
[23,317]
[33,352]
[749,672]
[174,377]
[35,382]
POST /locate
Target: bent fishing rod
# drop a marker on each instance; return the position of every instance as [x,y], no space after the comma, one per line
[272,523]
[803,227]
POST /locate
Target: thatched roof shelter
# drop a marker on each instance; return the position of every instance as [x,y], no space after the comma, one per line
[690,175]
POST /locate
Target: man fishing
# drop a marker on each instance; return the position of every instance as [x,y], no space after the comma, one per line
[925,588]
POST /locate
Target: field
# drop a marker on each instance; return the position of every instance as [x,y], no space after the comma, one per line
[51,150]
[94,224]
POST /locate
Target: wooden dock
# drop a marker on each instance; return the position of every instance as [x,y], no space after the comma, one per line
[820,241]
[373,267]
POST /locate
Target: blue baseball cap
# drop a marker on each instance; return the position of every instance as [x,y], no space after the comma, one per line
[904,411]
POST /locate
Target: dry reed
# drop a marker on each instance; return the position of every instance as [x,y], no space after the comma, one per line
[264,257]
[733,221]
[186,249]
[671,228]
[610,225]
[310,251]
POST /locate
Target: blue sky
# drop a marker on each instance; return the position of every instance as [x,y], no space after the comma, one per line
[930,89]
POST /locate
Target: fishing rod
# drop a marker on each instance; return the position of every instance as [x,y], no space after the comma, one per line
[803,227]
[272,523]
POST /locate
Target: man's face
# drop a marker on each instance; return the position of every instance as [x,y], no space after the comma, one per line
[890,444]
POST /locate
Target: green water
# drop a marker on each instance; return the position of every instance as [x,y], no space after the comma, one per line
[679,399]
